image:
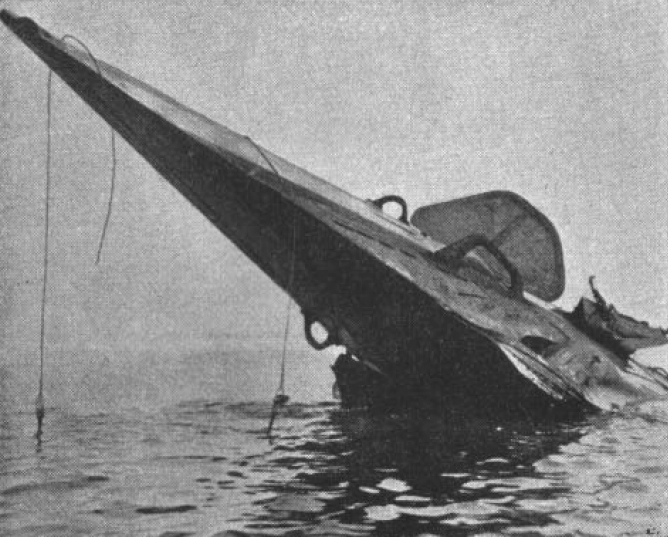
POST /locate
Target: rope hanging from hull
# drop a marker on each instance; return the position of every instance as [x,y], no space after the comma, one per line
[112,184]
[40,410]
[39,403]
[280,399]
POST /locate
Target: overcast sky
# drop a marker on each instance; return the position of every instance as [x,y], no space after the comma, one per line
[564,102]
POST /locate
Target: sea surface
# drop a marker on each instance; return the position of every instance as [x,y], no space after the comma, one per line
[179,461]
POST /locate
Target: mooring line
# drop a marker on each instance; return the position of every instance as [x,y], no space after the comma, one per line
[281,398]
[40,410]
[39,403]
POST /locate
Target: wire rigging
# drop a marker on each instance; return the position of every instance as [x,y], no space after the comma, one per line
[40,410]
[39,403]
[291,278]
[112,186]
[281,398]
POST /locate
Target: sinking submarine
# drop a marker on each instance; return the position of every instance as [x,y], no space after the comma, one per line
[448,307]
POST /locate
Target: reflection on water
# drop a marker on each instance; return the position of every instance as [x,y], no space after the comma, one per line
[206,468]
[408,476]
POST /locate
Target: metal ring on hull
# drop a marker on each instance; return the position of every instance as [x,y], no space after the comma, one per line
[309,321]
[393,198]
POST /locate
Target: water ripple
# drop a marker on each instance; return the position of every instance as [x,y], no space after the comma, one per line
[330,472]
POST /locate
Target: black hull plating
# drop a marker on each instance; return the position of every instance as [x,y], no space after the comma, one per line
[419,353]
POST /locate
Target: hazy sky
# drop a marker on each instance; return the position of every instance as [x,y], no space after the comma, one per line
[564,102]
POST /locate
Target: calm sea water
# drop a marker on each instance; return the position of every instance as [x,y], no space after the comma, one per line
[190,465]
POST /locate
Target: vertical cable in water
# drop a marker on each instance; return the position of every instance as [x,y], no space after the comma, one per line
[39,404]
[280,398]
